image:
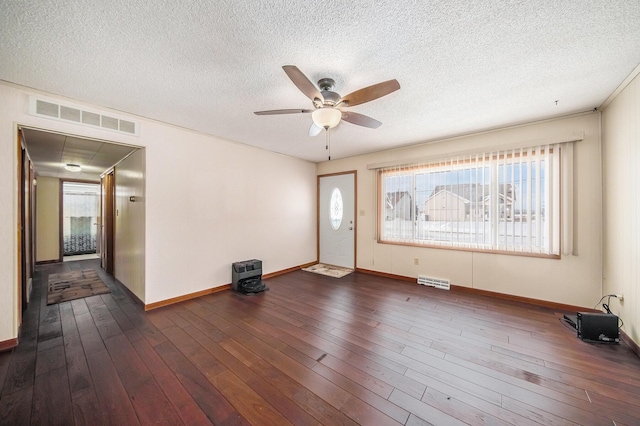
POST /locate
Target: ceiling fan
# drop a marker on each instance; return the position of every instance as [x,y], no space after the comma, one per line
[328,105]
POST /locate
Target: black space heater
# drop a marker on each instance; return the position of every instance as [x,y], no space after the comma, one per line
[246,276]
[596,327]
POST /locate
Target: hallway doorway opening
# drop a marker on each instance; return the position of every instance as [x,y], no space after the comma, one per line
[80,220]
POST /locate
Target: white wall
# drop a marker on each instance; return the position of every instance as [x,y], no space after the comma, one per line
[129,239]
[572,280]
[621,159]
[208,203]
[47,219]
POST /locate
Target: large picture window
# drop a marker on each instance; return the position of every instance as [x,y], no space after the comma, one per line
[503,201]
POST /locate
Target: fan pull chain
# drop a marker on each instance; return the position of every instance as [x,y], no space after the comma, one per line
[328,143]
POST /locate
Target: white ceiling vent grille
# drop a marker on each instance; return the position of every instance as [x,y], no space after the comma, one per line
[434,282]
[72,113]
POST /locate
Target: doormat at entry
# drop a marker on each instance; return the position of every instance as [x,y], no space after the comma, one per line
[72,285]
[328,270]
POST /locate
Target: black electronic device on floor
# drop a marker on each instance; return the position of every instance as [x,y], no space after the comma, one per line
[597,327]
[246,277]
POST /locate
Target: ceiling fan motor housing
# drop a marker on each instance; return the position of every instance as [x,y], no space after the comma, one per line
[326,86]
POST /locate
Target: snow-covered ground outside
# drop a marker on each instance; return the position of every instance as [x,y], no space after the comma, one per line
[510,234]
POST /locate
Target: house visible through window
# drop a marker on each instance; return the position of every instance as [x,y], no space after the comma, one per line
[504,201]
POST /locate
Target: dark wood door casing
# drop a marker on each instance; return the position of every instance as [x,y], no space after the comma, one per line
[107,227]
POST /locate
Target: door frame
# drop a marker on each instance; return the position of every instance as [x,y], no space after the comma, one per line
[26,225]
[107,221]
[61,212]
[355,216]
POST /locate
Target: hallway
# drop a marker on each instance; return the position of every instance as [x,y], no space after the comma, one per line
[49,378]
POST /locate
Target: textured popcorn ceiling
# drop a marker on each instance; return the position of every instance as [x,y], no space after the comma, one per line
[463,66]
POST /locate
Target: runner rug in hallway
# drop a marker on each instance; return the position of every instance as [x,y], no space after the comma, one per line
[74,285]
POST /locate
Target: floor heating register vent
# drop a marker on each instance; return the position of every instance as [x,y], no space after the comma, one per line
[434,282]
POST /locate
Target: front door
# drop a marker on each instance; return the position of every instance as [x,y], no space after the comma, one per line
[336,227]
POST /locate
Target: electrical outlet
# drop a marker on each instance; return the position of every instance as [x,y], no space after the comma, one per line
[620,297]
[416,261]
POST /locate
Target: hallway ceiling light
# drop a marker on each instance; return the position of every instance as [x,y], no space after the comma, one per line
[74,168]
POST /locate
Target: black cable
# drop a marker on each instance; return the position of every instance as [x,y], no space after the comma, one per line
[606,307]
[567,324]
[602,298]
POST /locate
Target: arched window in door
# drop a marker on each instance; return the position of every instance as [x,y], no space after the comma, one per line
[336,209]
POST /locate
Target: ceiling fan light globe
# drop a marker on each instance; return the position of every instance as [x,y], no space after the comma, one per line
[326,117]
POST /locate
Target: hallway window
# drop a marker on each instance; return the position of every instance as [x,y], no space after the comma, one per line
[80,217]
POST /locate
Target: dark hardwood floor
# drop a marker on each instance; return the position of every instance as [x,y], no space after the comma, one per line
[312,350]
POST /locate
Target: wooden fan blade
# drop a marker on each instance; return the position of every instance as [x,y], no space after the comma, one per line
[370,93]
[302,82]
[314,130]
[360,119]
[283,111]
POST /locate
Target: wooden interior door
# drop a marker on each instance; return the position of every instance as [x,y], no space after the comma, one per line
[107,222]
[26,224]
[22,252]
